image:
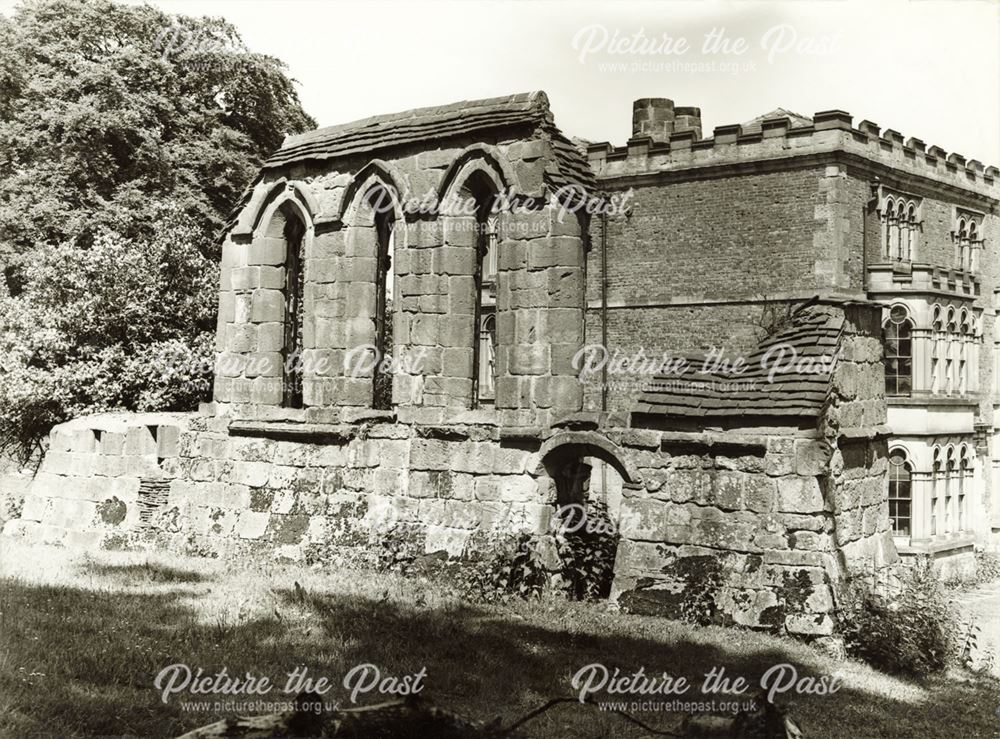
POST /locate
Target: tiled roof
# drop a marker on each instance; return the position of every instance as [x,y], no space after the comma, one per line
[425,125]
[566,167]
[813,331]
[420,124]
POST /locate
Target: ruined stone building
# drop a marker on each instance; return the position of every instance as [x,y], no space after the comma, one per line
[403,306]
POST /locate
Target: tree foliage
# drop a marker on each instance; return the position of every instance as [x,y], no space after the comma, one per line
[126,137]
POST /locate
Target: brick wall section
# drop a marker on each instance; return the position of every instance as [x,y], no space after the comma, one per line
[691,266]
[737,236]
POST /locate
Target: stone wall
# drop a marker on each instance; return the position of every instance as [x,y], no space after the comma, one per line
[735,524]
[763,523]
[742,521]
[539,286]
[191,480]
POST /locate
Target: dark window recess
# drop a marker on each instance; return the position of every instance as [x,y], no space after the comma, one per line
[382,381]
[294,292]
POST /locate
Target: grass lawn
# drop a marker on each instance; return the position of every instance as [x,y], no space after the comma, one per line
[83,637]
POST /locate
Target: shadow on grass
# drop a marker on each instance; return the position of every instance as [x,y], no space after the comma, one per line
[142,573]
[83,663]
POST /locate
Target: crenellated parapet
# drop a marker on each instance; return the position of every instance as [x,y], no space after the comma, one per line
[783,137]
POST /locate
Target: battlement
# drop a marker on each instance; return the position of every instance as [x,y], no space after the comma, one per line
[787,136]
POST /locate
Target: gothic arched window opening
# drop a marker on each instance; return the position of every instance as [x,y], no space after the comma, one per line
[385,228]
[484,355]
[293,234]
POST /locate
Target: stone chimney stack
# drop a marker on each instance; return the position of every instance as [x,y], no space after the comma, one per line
[658,118]
[653,117]
[688,119]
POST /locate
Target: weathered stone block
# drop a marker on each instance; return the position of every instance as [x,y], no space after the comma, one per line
[266,391]
[139,441]
[799,495]
[804,624]
[252,524]
[812,457]
[254,474]
[267,306]
[529,359]
[167,441]
[267,250]
[652,520]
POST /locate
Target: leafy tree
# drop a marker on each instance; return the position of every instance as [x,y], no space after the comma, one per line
[107,327]
[127,135]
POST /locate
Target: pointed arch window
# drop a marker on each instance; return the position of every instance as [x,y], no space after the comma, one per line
[898,352]
[385,231]
[951,382]
[962,245]
[488,358]
[903,228]
[891,232]
[911,232]
[490,258]
[964,350]
[293,233]
[900,493]
[967,235]
[484,355]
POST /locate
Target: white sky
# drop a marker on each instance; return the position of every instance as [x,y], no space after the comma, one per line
[927,68]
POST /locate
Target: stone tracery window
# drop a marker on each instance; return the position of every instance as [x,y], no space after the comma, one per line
[931,349]
[951,332]
[938,479]
[937,351]
[952,486]
[487,358]
[963,352]
[952,492]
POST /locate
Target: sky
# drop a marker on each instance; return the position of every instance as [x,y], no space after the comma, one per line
[926,68]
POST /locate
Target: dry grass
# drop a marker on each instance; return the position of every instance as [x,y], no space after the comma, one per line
[81,639]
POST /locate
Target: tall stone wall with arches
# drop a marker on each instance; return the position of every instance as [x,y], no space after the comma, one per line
[434,272]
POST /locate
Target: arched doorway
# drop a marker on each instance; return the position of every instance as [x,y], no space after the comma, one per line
[588,474]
